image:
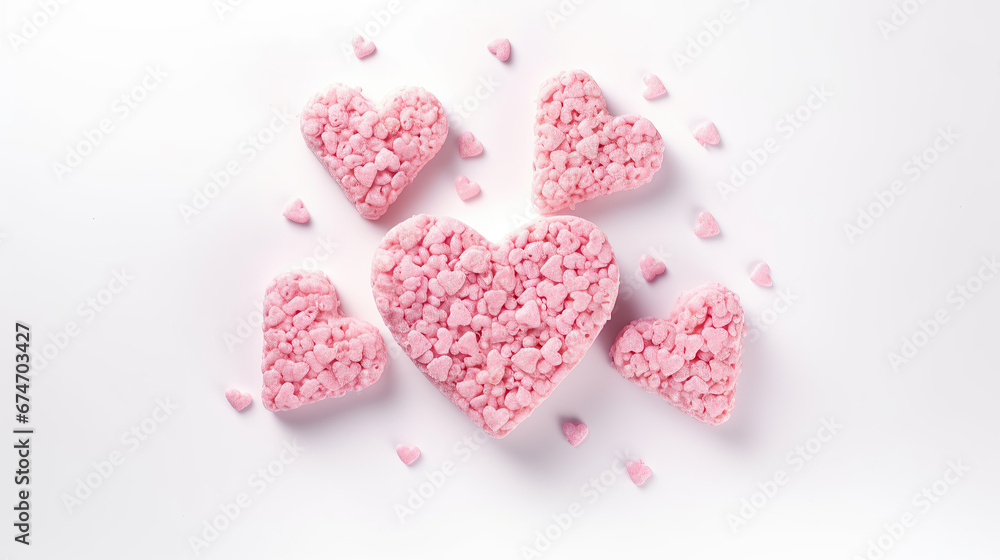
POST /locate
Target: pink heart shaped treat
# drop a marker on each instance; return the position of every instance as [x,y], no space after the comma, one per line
[374,152]
[581,151]
[495,327]
[691,359]
[311,351]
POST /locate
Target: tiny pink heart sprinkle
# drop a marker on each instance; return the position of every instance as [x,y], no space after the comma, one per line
[362,48]
[501,48]
[651,267]
[365,174]
[575,432]
[761,275]
[707,134]
[706,226]
[408,453]
[238,400]
[469,146]
[296,212]
[654,86]
[638,472]
[465,188]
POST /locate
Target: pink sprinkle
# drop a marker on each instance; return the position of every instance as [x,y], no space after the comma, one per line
[362,48]
[465,188]
[296,212]
[706,226]
[582,151]
[501,48]
[654,86]
[651,267]
[761,275]
[638,472]
[408,453]
[468,145]
[575,432]
[707,134]
[237,399]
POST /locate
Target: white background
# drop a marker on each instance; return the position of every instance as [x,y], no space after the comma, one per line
[195,280]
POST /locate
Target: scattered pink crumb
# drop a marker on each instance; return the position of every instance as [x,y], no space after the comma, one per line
[761,275]
[575,432]
[651,267]
[638,472]
[465,188]
[501,48]
[707,134]
[706,226]
[238,399]
[654,86]
[468,145]
[296,212]
[362,47]
[408,453]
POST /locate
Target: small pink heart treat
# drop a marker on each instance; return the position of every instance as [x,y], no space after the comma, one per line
[495,327]
[761,275]
[638,471]
[362,47]
[582,151]
[311,351]
[651,267]
[500,48]
[468,145]
[408,453]
[706,226]
[296,212]
[374,152]
[707,134]
[575,432]
[465,188]
[237,399]
[654,86]
[691,359]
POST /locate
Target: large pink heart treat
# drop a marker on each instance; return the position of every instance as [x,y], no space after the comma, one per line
[581,151]
[495,327]
[311,351]
[691,359]
[374,153]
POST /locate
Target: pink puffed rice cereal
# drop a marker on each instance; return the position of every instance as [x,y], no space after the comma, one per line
[311,351]
[638,471]
[465,188]
[761,275]
[500,48]
[374,153]
[706,226]
[654,87]
[707,135]
[581,151]
[495,327]
[691,359]
[362,47]
[238,399]
[575,432]
[296,212]
[408,454]
[469,145]
[651,267]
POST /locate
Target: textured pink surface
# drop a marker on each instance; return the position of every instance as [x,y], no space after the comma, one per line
[581,151]
[651,267]
[654,86]
[468,145]
[575,432]
[362,48]
[237,399]
[501,48]
[706,226]
[495,327]
[465,188]
[296,212]
[691,359]
[761,275]
[638,472]
[408,453]
[374,153]
[707,134]
[311,351]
